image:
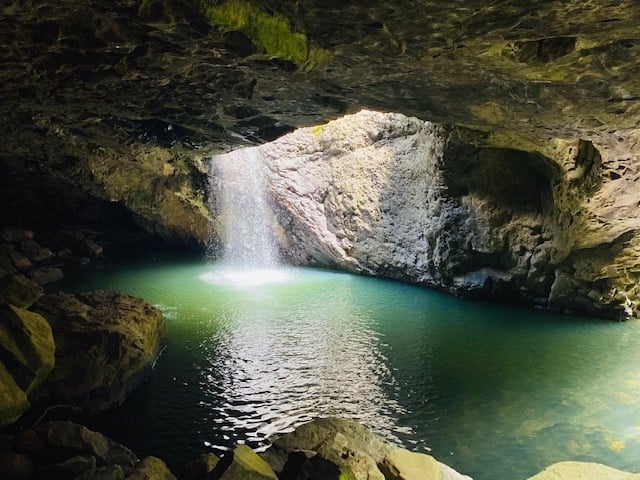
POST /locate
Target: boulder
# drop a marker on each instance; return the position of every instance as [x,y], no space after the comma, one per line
[60,450]
[583,471]
[402,464]
[116,339]
[72,443]
[13,399]
[202,465]
[19,290]
[355,453]
[247,465]
[90,249]
[44,275]
[108,472]
[334,437]
[26,341]
[26,358]
[151,468]
[72,467]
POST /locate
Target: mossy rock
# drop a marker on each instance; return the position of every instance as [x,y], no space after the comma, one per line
[13,400]
[26,340]
[151,468]
[270,32]
[19,290]
[247,465]
[26,359]
[115,337]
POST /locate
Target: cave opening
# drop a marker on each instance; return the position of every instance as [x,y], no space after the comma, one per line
[367,196]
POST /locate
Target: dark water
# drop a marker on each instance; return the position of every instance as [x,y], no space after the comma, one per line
[494,391]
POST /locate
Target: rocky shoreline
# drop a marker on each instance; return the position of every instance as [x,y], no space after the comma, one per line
[324,449]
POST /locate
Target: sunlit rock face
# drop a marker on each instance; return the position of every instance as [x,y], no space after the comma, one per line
[122,104]
[389,195]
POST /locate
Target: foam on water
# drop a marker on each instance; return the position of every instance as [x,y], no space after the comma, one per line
[245,277]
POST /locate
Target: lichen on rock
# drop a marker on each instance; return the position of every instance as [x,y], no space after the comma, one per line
[271,32]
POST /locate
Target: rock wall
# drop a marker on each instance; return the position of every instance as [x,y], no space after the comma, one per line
[552,224]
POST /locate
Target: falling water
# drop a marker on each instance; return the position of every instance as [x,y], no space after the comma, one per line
[247,243]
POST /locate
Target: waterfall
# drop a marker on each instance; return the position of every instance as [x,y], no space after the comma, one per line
[245,238]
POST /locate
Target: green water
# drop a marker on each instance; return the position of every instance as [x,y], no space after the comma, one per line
[494,391]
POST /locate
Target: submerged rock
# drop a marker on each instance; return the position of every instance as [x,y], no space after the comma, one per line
[116,339]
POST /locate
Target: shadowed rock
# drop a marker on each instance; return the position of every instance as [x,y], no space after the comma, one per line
[115,337]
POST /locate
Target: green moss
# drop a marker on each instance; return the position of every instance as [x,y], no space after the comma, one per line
[252,464]
[317,130]
[346,474]
[270,32]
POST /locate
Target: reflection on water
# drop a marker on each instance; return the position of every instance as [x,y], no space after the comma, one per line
[279,362]
[494,391]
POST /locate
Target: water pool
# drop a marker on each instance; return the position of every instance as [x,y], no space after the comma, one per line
[496,392]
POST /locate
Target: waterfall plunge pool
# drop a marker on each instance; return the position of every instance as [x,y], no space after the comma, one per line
[492,390]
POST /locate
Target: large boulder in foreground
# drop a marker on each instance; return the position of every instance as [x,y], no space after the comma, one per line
[352,452]
[26,358]
[583,471]
[107,343]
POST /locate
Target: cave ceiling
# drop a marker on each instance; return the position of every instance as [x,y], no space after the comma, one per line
[229,73]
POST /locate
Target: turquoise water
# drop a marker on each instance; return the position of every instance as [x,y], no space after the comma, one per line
[494,391]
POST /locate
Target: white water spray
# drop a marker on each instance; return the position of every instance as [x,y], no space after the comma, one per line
[249,249]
